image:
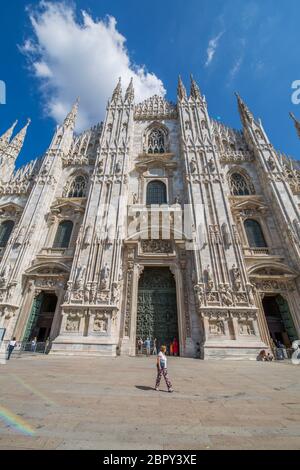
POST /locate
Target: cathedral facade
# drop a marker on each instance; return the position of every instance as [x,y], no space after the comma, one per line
[159,222]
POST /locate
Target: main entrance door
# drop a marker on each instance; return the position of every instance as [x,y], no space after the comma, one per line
[41,317]
[157,306]
[279,319]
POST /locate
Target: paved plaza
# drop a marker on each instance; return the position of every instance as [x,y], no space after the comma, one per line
[109,403]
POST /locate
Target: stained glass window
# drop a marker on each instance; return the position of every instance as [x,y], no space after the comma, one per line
[78,187]
[63,234]
[5,231]
[156,193]
[240,186]
[255,234]
[156,141]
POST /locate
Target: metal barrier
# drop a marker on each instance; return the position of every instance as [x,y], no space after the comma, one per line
[24,347]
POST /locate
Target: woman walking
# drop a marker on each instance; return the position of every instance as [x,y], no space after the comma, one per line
[11,347]
[162,369]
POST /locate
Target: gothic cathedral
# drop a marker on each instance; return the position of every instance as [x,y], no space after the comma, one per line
[159,222]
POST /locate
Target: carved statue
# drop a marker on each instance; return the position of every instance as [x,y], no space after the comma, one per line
[177,199]
[208,276]
[101,167]
[115,293]
[199,293]
[67,297]
[105,277]
[101,323]
[236,277]
[80,276]
[72,324]
[211,165]
[225,235]
[226,296]
[88,235]
[6,272]
[118,168]
[271,163]
[217,328]
[135,198]
[193,165]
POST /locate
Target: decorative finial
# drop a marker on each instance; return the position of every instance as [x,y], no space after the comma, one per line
[245,113]
[129,95]
[181,91]
[296,123]
[195,91]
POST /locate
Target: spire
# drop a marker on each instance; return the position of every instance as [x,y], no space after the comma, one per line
[5,138]
[129,96]
[117,93]
[297,123]
[181,91]
[245,113]
[15,146]
[195,91]
[71,117]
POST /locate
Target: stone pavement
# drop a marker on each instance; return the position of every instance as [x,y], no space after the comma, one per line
[107,403]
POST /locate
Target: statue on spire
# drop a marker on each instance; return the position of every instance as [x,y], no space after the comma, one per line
[129,96]
[245,113]
[117,93]
[297,124]
[5,138]
[181,91]
[70,120]
[195,91]
[15,146]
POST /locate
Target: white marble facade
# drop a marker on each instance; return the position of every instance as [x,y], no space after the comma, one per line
[98,181]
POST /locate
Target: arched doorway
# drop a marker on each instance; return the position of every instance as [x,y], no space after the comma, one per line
[279,319]
[41,317]
[157,307]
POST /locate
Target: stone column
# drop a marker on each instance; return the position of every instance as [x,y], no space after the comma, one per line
[137,271]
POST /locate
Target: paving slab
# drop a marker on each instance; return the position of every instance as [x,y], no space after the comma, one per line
[64,403]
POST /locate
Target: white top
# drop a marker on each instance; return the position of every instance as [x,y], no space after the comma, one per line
[12,343]
[163,360]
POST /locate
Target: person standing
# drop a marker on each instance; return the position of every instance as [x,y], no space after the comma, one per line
[148,346]
[162,370]
[175,347]
[154,352]
[33,344]
[140,346]
[11,347]
[171,349]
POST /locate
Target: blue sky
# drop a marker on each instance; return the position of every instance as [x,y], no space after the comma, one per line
[233,45]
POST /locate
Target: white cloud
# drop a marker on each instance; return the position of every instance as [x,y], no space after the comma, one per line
[235,69]
[212,48]
[81,58]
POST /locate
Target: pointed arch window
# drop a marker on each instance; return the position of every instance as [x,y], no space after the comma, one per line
[156,193]
[240,185]
[77,187]
[6,229]
[254,234]
[157,141]
[63,234]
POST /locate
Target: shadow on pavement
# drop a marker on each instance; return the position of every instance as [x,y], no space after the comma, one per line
[145,388]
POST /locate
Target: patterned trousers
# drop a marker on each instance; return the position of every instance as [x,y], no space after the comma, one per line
[163,372]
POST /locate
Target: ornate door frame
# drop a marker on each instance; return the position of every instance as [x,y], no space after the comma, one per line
[287,290]
[131,310]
